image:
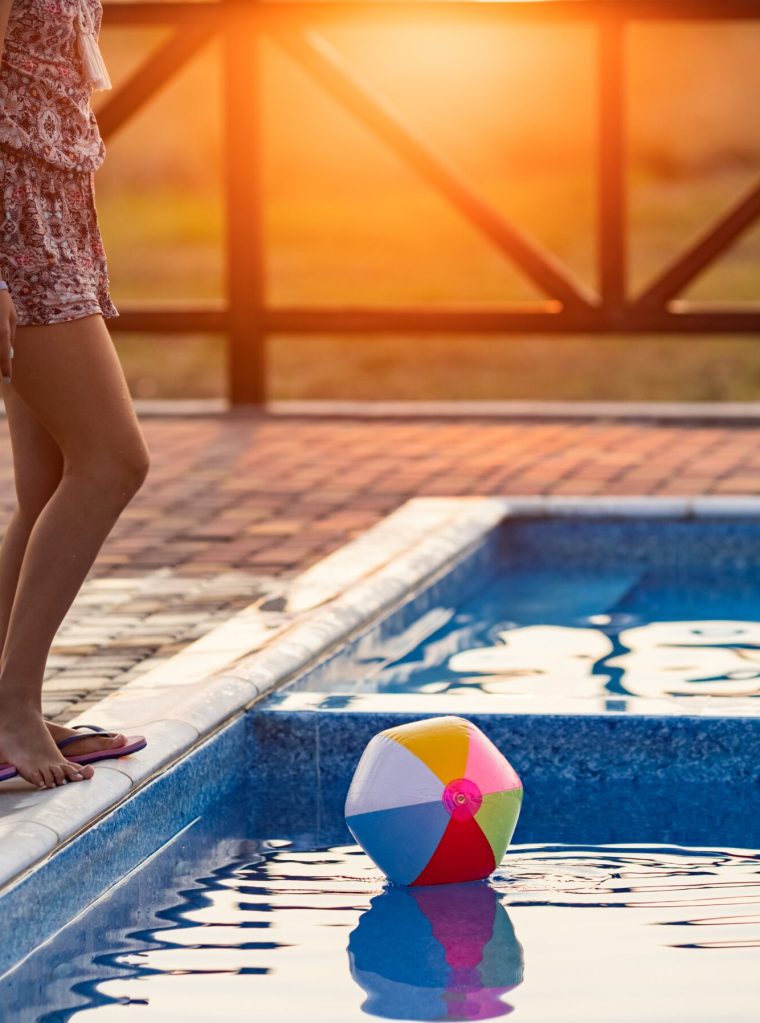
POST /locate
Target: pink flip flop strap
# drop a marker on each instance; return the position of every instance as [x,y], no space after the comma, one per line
[96,730]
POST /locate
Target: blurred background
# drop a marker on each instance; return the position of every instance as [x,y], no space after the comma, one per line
[514,108]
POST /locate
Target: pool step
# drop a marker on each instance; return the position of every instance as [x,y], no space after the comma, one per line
[633,778]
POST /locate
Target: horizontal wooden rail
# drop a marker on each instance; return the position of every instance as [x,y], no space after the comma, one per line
[247,319]
[125,12]
[687,318]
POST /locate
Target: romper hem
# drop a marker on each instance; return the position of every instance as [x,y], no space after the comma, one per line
[67,317]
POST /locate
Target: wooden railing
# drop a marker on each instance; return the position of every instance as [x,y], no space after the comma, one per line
[570,307]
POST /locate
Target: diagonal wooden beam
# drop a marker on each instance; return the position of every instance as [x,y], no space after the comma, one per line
[325,64]
[710,244]
[150,76]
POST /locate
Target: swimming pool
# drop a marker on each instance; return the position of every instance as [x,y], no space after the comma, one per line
[632,889]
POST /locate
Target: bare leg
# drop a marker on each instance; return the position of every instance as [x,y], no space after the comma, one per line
[38,467]
[69,375]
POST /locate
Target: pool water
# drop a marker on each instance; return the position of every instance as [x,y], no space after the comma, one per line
[583,635]
[224,926]
[591,611]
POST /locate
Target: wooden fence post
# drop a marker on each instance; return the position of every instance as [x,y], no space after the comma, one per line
[245,253]
[612,231]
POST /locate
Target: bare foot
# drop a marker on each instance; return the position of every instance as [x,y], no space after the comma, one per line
[88,742]
[26,743]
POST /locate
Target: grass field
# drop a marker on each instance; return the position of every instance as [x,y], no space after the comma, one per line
[346,222]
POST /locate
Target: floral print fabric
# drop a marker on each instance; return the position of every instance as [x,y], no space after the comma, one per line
[44,92]
[51,251]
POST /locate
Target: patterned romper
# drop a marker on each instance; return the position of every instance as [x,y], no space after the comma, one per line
[51,251]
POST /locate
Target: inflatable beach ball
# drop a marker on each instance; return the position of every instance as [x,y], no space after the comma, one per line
[433,802]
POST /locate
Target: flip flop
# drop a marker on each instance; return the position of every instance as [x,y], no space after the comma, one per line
[132,745]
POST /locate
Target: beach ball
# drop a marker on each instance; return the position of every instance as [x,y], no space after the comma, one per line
[443,953]
[433,802]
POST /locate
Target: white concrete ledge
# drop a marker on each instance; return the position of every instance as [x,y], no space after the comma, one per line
[670,411]
[633,506]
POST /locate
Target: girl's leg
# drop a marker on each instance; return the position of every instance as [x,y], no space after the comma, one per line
[38,467]
[69,375]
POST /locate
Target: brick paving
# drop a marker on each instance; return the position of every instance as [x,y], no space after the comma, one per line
[237,503]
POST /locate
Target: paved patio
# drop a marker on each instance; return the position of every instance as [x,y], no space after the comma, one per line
[236,503]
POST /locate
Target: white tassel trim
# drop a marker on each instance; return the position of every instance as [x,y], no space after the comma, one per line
[92,59]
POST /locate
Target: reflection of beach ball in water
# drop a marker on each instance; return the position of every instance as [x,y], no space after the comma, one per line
[434,801]
[445,953]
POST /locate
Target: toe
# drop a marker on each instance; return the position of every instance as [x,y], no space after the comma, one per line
[59,775]
[85,770]
[73,772]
